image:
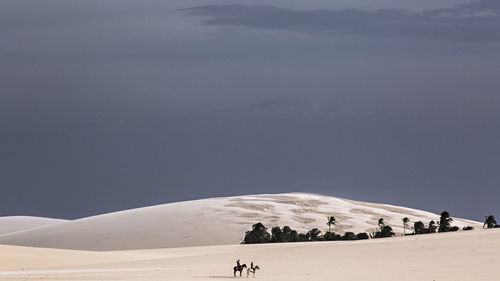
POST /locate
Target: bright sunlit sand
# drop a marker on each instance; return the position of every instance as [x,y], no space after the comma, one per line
[215,221]
[441,257]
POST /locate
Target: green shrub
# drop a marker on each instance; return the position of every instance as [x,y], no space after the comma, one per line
[258,234]
[432,227]
[277,235]
[419,228]
[444,222]
[350,236]
[490,222]
[362,236]
[314,235]
[329,236]
[302,237]
[386,231]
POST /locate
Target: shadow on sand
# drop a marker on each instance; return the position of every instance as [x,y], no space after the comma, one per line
[219,277]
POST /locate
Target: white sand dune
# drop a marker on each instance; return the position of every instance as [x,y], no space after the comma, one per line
[462,256]
[20,223]
[215,221]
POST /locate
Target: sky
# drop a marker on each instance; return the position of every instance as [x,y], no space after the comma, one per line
[108,105]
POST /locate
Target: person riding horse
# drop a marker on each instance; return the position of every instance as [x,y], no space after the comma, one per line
[252,269]
[239,267]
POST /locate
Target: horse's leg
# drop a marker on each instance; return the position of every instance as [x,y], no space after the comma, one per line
[235,272]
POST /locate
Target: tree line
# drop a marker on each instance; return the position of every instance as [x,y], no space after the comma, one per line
[260,233]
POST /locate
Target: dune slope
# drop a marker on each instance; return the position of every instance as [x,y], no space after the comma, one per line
[215,221]
[21,223]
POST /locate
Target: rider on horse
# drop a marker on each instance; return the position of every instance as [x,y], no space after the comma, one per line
[239,267]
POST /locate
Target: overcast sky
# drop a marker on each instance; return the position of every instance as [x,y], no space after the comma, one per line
[112,104]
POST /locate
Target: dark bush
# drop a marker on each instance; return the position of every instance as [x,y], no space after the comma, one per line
[329,236]
[419,228]
[350,236]
[258,234]
[302,237]
[386,231]
[432,227]
[362,236]
[453,228]
[277,235]
[444,222]
[490,222]
[314,235]
[468,228]
[289,235]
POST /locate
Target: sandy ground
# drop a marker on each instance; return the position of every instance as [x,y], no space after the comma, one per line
[451,256]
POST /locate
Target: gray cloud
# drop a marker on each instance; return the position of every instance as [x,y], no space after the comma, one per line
[475,21]
[113,104]
[482,4]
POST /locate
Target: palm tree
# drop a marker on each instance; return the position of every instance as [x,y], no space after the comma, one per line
[381,223]
[331,221]
[406,220]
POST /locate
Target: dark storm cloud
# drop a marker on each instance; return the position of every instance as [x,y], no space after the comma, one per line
[476,21]
[26,14]
[113,104]
[482,5]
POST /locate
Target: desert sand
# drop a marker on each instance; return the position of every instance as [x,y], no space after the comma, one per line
[215,221]
[457,256]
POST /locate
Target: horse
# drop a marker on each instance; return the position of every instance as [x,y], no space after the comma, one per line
[250,270]
[239,268]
